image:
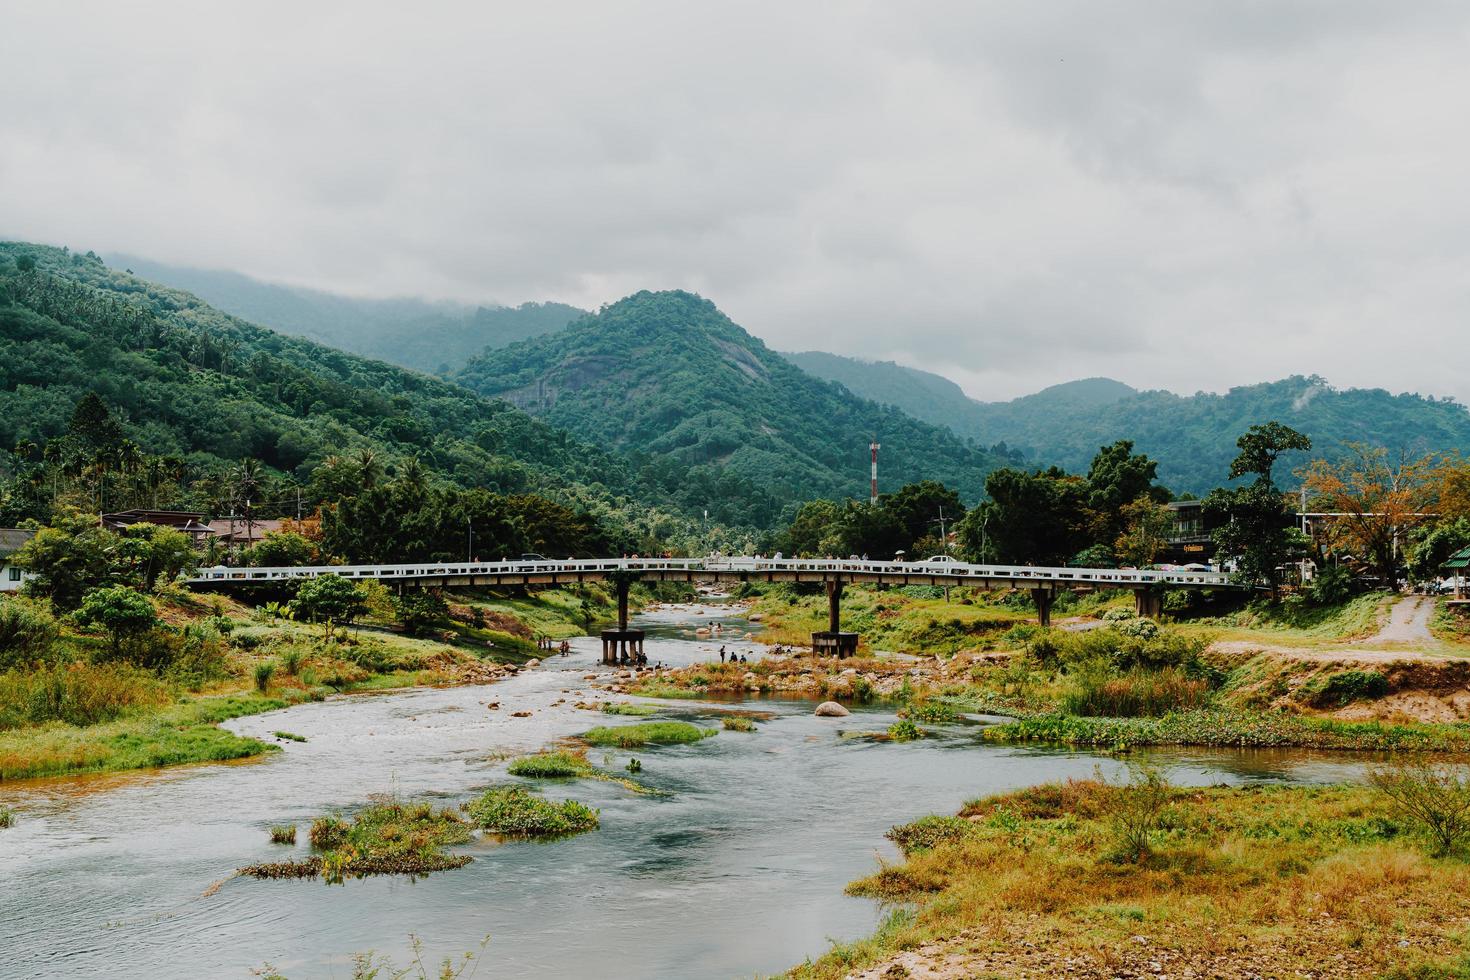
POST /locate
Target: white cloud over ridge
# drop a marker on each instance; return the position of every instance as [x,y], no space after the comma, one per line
[1175,195]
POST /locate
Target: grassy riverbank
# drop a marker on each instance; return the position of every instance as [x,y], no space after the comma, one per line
[71,703]
[1255,881]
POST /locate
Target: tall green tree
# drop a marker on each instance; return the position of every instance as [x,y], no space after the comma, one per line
[1256,529]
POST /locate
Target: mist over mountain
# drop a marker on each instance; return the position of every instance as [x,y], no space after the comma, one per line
[1192,436]
[431,336]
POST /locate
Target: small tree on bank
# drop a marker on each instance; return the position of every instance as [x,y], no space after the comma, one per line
[329,600]
[125,614]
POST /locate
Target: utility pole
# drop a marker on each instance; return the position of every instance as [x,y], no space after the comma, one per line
[873,487]
[469,552]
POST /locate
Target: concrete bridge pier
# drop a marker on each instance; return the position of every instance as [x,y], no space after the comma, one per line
[1148,602]
[622,645]
[833,642]
[1043,599]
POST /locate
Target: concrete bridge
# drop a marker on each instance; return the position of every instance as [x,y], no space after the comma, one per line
[1042,583]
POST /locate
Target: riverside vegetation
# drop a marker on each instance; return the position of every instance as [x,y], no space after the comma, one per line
[1096,879]
[84,696]
[1125,682]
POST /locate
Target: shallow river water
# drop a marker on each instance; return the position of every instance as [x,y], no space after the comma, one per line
[738,871]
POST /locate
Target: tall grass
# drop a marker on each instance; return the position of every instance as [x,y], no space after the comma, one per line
[1135,694]
[78,694]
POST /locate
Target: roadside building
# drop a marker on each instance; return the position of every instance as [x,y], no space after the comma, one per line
[1190,541]
[1457,566]
[12,577]
[190,522]
[236,532]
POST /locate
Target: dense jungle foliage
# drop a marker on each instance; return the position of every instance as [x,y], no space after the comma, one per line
[709,414]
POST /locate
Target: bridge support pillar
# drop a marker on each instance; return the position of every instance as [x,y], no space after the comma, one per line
[1043,599]
[622,646]
[1147,602]
[833,642]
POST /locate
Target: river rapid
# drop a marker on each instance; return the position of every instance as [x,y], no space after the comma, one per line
[737,871]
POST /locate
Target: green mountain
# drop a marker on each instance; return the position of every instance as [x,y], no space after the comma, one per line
[708,411]
[1192,436]
[410,332]
[190,381]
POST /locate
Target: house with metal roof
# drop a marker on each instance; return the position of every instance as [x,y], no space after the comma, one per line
[12,577]
[1457,566]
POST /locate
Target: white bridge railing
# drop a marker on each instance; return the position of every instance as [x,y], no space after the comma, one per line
[721,566]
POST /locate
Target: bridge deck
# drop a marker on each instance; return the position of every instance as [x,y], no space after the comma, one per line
[723,570]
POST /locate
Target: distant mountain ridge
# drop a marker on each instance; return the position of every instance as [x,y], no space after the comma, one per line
[414,333]
[713,414]
[1192,436]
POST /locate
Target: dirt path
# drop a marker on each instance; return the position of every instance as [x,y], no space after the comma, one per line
[1408,622]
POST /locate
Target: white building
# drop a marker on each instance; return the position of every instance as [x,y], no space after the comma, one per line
[11,577]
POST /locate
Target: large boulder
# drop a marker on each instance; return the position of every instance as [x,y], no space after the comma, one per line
[831,709]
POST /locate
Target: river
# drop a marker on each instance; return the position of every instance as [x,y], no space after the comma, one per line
[737,871]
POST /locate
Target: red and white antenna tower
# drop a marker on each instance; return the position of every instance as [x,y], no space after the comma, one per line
[873,489]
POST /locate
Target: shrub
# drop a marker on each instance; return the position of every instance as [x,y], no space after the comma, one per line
[123,613]
[285,834]
[199,655]
[514,812]
[904,730]
[1139,629]
[28,633]
[648,733]
[1136,809]
[262,673]
[1118,614]
[1331,586]
[328,833]
[419,611]
[1352,685]
[1435,797]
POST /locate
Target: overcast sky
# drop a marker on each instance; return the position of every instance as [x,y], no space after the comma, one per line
[1176,194]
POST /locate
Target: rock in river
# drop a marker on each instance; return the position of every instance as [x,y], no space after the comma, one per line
[831,709]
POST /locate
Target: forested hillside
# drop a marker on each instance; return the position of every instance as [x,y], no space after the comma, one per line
[194,382]
[710,413]
[411,332]
[1192,436]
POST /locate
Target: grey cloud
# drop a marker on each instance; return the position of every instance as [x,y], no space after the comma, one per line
[1179,195]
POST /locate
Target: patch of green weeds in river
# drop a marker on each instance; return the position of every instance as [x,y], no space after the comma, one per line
[666,691]
[737,723]
[648,733]
[289,736]
[629,708]
[565,764]
[388,837]
[904,730]
[283,834]
[7,818]
[512,811]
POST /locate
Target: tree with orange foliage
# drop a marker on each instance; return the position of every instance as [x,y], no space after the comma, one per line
[1454,488]
[1374,500]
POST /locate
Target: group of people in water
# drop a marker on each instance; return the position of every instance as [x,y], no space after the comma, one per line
[734,659]
[548,644]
